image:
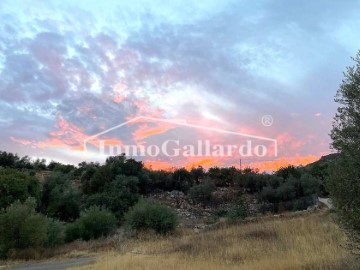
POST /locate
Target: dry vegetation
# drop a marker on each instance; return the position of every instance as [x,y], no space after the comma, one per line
[302,242]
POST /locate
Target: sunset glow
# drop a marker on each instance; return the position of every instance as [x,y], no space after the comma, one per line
[73,70]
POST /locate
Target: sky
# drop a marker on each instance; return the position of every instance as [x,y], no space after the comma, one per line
[73,69]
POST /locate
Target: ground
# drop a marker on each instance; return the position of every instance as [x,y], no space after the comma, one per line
[301,241]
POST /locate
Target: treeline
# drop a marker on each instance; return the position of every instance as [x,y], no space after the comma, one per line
[91,200]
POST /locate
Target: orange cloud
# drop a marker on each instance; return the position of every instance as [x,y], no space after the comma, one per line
[283,162]
[67,135]
[21,141]
[208,162]
[203,162]
[158,165]
[145,131]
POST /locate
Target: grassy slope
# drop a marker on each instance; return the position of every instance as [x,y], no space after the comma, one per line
[303,242]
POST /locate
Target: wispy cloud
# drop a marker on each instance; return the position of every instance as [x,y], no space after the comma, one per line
[220,63]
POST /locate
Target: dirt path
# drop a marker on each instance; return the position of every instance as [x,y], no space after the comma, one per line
[327,202]
[54,264]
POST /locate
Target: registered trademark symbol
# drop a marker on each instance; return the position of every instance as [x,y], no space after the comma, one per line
[267,120]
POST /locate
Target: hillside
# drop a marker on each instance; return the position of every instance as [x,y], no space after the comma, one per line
[310,241]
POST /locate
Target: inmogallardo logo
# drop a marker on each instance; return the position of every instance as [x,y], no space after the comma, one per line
[182,144]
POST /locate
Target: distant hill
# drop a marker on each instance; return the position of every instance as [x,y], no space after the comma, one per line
[323,161]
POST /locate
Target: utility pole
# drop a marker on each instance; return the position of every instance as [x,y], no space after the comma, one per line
[240,165]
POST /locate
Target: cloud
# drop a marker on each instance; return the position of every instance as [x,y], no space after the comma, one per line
[69,70]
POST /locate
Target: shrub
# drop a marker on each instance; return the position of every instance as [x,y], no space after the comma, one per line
[73,232]
[182,180]
[93,223]
[202,192]
[119,196]
[8,159]
[100,179]
[269,194]
[22,227]
[147,215]
[56,233]
[310,185]
[255,182]
[238,212]
[287,172]
[224,177]
[15,186]
[299,204]
[161,180]
[60,198]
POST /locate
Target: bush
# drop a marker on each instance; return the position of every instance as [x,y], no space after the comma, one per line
[15,186]
[202,192]
[56,233]
[73,232]
[182,180]
[255,182]
[100,179]
[119,196]
[147,215]
[287,172]
[93,223]
[238,212]
[60,198]
[22,227]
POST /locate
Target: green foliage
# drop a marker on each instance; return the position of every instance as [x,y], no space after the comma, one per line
[202,192]
[40,164]
[56,233]
[24,163]
[223,177]
[161,180]
[344,182]
[291,193]
[238,212]
[120,165]
[60,199]
[86,174]
[344,187]
[58,167]
[119,196]
[321,172]
[100,179]
[197,174]
[255,182]
[147,215]
[93,223]
[289,171]
[73,232]
[22,227]
[182,180]
[8,160]
[15,185]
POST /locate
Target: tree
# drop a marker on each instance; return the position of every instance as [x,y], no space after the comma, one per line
[119,196]
[344,182]
[8,159]
[93,223]
[60,198]
[22,227]
[202,192]
[100,179]
[148,215]
[288,171]
[15,186]
[197,174]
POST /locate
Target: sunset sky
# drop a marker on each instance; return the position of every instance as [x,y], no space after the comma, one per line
[72,69]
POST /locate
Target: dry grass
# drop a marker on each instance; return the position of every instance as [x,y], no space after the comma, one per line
[70,250]
[304,242]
